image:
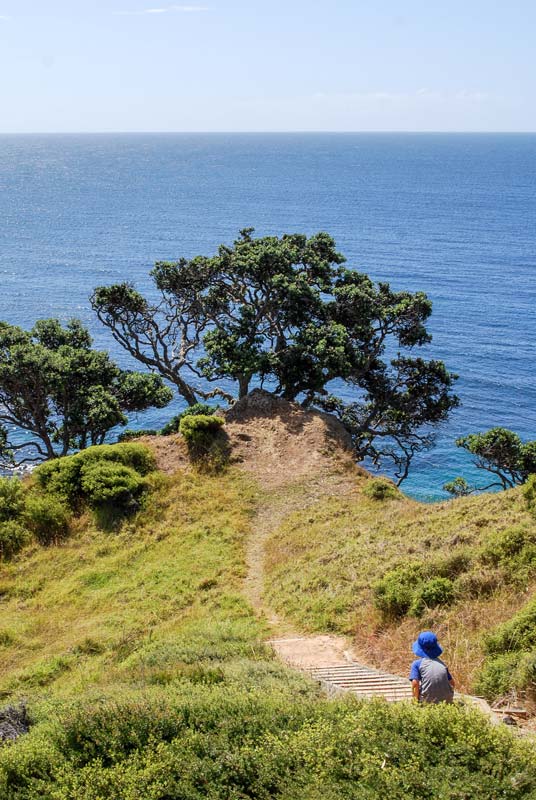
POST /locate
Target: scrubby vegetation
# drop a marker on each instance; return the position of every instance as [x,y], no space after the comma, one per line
[171,427]
[382,571]
[510,666]
[146,677]
[109,480]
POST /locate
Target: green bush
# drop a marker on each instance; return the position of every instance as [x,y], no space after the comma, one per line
[529,493]
[47,517]
[173,426]
[11,499]
[451,566]
[217,743]
[202,437]
[516,635]
[63,476]
[130,454]
[13,537]
[497,676]
[394,593]
[435,592]
[500,547]
[380,489]
[107,483]
[128,435]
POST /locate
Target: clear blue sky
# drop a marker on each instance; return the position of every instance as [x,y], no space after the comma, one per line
[247,65]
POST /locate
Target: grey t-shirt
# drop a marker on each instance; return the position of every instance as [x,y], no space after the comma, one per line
[434,680]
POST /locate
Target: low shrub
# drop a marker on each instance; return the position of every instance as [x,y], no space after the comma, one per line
[497,677]
[128,435]
[480,582]
[63,476]
[451,566]
[11,499]
[202,434]
[529,493]
[516,635]
[173,426]
[48,518]
[216,743]
[394,593]
[130,454]
[380,489]
[104,483]
[432,593]
[13,537]
[500,547]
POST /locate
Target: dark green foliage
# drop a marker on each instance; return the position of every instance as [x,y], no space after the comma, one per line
[500,452]
[529,493]
[518,634]
[128,435]
[380,489]
[511,657]
[204,438]
[435,592]
[197,409]
[458,487]
[11,499]
[107,478]
[200,428]
[394,594]
[512,545]
[283,310]
[13,537]
[63,394]
[106,483]
[216,742]
[47,517]
[63,476]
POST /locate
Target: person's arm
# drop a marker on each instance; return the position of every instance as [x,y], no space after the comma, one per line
[451,680]
[415,678]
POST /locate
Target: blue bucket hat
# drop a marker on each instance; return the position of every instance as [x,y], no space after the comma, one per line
[427,645]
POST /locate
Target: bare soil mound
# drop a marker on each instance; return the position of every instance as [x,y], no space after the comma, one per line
[275,441]
[279,442]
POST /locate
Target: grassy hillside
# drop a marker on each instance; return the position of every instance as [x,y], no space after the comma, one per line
[383,569]
[146,676]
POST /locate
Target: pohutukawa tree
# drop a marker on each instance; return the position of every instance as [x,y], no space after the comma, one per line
[285,313]
[502,454]
[61,394]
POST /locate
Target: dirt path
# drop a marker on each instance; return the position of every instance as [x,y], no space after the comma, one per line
[275,507]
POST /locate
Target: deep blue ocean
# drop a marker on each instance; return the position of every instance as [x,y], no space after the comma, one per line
[451,214]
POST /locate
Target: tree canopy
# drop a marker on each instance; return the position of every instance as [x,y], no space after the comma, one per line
[502,453]
[62,393]
[286,314]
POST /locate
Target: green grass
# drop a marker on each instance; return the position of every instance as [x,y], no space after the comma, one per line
[375,569]
[146,678]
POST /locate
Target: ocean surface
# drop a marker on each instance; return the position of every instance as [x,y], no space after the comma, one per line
[453,215]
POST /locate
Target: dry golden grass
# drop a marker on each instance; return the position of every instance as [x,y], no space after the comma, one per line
[322,563]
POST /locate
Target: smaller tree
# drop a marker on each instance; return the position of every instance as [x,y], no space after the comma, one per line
[500,452]
[61,394]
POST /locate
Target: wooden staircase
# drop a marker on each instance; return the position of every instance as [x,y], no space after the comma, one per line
[362,681]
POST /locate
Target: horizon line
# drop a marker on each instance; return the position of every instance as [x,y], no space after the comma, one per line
[262,132]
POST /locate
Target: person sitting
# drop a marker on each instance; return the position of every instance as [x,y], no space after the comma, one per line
[430,677]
